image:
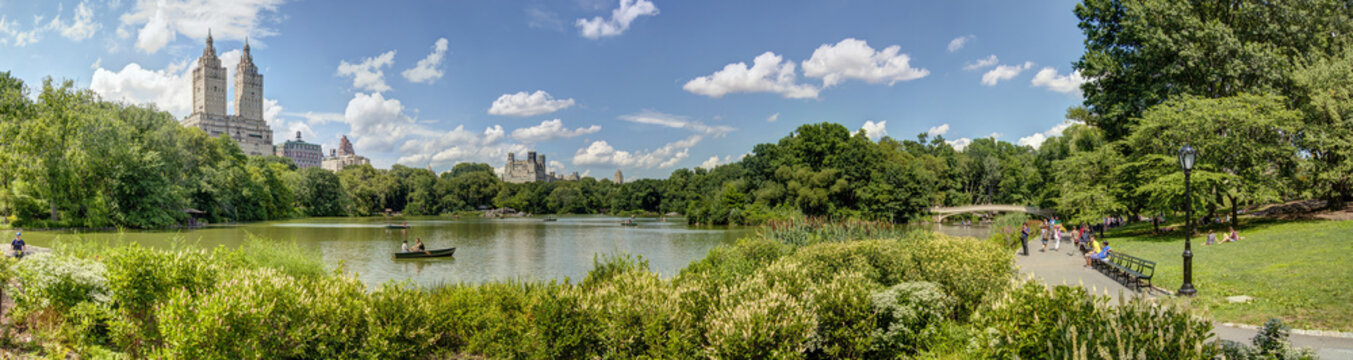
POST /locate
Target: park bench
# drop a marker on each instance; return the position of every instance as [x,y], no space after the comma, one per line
[1130,268]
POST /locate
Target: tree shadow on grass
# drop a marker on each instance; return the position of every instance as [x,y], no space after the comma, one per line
[1173,229]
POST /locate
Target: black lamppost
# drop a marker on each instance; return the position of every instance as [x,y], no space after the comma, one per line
[1186,156]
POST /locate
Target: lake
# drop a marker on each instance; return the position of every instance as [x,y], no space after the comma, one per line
[486,249]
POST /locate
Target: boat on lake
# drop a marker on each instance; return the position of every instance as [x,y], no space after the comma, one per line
[396,226]
[629,223]
[426,254]
[549,219]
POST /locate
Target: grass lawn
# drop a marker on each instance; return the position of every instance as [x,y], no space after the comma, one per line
[1299,271]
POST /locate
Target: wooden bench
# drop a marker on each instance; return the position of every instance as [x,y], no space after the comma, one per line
[1130,268]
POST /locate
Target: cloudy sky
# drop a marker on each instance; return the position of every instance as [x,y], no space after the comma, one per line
[646,86]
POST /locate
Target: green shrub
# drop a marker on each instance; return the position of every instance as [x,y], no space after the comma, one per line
[637,315]
[402,323]
[844,314]
[974,272]
[562,329]
[58,282]
[141,278]
[765,317]
[264,314]
[910,316]
[1067,322]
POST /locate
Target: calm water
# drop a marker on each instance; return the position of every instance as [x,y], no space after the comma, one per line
[486,249]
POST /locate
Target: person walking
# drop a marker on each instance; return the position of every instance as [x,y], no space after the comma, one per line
[18,245]
[1057,236]
[1043,235]
[1024,238]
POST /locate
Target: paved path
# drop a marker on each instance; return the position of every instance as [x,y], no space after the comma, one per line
[1066,267]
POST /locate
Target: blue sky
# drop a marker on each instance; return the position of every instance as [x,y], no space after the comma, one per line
[646,86]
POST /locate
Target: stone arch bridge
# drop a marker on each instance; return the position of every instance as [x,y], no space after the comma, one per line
[942,212]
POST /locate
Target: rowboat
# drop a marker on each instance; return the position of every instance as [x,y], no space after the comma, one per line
[549,219]
[426,254]
[396,226]
[629,223]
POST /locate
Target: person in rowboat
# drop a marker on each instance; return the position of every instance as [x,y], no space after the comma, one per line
[419,246]
[404,247]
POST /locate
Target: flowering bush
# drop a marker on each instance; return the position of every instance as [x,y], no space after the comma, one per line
[910,315]
[58,282]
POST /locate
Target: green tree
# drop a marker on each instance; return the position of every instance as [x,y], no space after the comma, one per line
[321,193]
[1248,139]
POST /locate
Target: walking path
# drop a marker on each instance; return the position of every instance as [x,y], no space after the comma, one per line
[1066,267]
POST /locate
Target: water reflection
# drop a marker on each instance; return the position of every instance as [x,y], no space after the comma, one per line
[487,249]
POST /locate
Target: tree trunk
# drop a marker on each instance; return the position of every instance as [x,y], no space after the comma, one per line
[1235,212]
[52,203]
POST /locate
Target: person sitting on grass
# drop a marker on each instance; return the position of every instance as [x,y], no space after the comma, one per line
[1233,236]
[1099,254]
[1211,237]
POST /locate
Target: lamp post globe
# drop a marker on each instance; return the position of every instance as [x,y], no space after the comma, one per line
[1186,158]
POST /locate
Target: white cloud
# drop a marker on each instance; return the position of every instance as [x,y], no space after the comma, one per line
[378,124]
[767,74]
[982,63]
[620,20]
[169,89]
[677,122]
[315,118]
[1004,72]
[938,130]
[1037,139]
[550,130]
[98,63]
[958,42]
[1032,140]
[82,27]
[161,21]
[960,143]
[714,161]
[458,145]
[427,70]
[1066,84]
[773,117]
[523,104]
[854,59]
[995,135]
[367,75]
[875,130]
[601,153]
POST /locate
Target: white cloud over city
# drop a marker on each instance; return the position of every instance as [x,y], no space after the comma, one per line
[428,70]
[602,153]
[528,104]
[159,22]
[367,74]
[551,130]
